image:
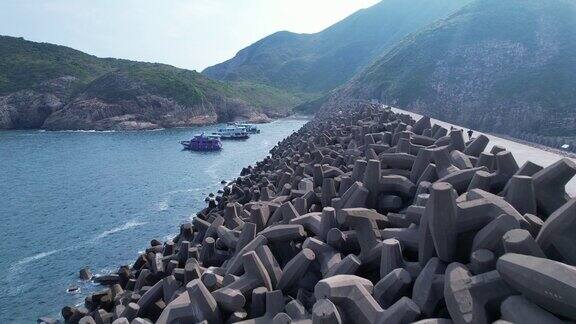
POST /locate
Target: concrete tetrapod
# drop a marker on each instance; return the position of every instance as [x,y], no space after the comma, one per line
[521,241]
[269,261]
[490,236]
[521,194]
[428,288]
[550,185]
[468,296]
[326,256]
[363,221]
[518,309]
[352,295]
[295,269]
[274,305]
[231,297]
[392,287]
[442,217]
[547,283]
[325,312]
[556,238]
[195,306]
[236,262]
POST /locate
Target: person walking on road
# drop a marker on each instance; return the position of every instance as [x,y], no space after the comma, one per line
[470,132]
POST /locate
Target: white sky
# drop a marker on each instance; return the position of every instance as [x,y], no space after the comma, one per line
[190,34]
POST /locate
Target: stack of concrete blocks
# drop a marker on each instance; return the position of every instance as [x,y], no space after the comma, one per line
[364,216]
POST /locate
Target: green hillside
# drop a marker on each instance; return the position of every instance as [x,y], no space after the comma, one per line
[38,79]
[316,63]
[25,64]
[502,66]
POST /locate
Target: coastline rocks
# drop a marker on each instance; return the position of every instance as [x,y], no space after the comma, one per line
[363,215]
[85,274]
[121,100]
[27,109]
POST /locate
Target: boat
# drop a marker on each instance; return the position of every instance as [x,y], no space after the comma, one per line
[203,142]
[73,289]
[250,129]
[232,133]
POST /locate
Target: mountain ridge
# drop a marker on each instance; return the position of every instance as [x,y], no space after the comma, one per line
[508,64]
[319,62]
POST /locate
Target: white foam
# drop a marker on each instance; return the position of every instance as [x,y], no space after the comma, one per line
[35,257]
[174,192]
[85,131]
[169,237]
[163,205]
[123,227]
[13,276]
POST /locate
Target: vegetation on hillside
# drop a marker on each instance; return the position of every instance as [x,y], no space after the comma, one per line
[316,63]
[503,66]
[69,74]
[25,64]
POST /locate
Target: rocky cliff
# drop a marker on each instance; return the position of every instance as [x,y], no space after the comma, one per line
[55,87]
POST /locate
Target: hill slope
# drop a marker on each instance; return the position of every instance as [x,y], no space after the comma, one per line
[55,87]
[315,63]
[502,66]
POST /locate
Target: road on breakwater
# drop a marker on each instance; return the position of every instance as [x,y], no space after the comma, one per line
[522,152]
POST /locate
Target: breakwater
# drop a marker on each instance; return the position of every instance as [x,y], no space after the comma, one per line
[363,216]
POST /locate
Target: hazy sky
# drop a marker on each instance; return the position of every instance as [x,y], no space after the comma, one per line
[190,34]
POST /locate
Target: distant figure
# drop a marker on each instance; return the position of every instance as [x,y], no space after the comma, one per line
[470,132]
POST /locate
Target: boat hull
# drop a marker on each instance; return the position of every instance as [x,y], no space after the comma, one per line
[239,137]
[201,147]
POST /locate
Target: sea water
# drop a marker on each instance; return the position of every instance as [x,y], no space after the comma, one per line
[75,199]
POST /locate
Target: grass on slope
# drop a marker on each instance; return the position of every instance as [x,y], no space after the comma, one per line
[268,98]
[403,71]
[498,57]
[24,64]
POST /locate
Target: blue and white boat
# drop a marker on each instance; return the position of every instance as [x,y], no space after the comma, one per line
[232,133]
[250,129]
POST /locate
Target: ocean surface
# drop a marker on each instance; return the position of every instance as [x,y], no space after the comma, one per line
[75,199]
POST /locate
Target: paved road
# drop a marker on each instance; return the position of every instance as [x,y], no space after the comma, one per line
[521,152]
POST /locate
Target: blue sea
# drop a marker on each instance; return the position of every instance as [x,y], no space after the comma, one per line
[75,199]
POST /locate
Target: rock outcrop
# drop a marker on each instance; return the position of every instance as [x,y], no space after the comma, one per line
[58,88]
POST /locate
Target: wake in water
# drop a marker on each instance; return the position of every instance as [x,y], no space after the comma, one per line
[16,286]
[123,227]
[17,267]
[34,258]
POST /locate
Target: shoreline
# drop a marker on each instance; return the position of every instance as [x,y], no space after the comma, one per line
[333,207]
[145,129]
[291,117]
